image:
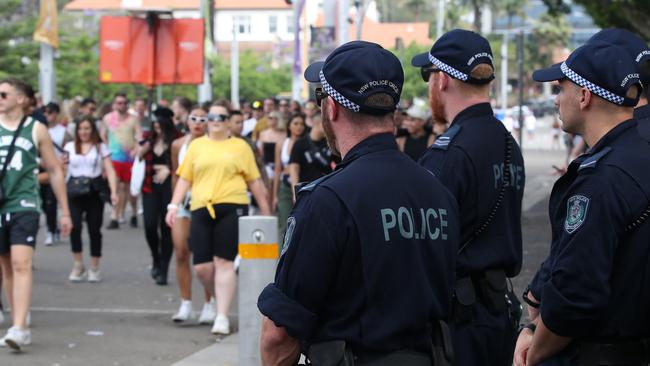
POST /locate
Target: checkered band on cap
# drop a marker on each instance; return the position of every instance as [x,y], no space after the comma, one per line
[448,69]
[603,93]
[345,102]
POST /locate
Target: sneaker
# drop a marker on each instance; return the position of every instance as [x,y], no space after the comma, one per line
[184,312]
[57,237]
[78,273]
[16,338]
[121,220]
[94,275]
[221,325]
[134,221]
[49,239]
[113,225]
[207,314]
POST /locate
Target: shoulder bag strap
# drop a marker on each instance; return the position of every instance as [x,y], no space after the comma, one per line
[506,178]
[10,153]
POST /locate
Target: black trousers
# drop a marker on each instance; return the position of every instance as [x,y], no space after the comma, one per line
[48,200]
[488,340]
[93,207]
[156,231]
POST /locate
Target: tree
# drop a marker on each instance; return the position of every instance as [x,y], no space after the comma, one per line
[629,14]
[18,53]
[414,86]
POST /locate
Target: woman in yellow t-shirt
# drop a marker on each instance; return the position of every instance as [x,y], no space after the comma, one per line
[220,171]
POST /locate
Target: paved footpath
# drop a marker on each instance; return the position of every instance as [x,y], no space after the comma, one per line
[125,320]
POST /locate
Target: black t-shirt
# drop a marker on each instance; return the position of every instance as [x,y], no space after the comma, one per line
[313,157]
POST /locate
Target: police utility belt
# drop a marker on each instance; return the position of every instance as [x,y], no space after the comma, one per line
[339,353]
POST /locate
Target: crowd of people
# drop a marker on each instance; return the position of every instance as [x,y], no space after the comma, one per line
[205,165]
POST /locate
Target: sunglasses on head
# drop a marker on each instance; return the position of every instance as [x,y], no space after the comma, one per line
[426,72]
[198,119]
[320,94]
[217,117]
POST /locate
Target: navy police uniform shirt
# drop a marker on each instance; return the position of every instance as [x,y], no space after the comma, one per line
[594,283]
[469,160]
[642,115]
[368,255]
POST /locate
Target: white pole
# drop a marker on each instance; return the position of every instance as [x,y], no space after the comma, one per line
[234,69]
[441,18]
[296,82]
[344,26]
[329,12]
[504,72]
[259,252]
[46,80]
[205,89]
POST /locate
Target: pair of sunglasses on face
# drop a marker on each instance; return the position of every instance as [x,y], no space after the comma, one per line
[426,72]
[209,118]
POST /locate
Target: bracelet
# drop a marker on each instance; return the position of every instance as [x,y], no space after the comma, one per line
[528,301]
[172,206]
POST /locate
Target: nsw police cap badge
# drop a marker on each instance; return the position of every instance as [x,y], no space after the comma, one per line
[576,211]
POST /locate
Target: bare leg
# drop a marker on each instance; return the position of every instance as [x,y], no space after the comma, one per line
[180,234]
[8,278]
[118,210]
[21,260]
[225,282]
[94,262]
[205,274]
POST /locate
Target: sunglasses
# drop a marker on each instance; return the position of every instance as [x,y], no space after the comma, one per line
[198,119]
[217,117]
[320,94]
[426,72]
[4,95]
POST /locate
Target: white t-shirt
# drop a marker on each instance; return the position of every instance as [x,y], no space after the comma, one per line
[57,134]
[88,165]
[249,126]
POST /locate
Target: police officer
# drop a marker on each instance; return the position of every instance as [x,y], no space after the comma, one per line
[589,299]
[367,266]
[482,166]
[638,49]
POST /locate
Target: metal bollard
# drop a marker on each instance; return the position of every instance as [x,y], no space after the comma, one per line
[258,249]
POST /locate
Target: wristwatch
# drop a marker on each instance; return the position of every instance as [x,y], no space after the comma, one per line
[528,301]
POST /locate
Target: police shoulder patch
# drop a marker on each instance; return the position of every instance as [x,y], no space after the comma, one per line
[291,225]
[576,212]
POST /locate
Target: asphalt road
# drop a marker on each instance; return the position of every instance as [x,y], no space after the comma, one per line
[125,320]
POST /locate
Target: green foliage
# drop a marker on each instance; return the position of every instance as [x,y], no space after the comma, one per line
[629,14]
[18,53]
[414,86]
[257,79]
[549,33]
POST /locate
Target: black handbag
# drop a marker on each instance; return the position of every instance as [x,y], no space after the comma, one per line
[10,154]
[79,186]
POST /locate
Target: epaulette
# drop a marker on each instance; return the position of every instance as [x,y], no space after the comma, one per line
[442,142]
[591,161]
[313,184]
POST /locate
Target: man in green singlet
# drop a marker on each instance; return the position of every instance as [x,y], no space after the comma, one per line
[19,213]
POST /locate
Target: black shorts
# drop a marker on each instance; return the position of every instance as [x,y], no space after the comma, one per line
[18,228]
[215,237]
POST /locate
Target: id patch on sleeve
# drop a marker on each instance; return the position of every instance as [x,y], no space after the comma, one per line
[576,212]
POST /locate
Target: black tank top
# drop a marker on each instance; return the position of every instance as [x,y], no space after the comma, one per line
[415,147]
